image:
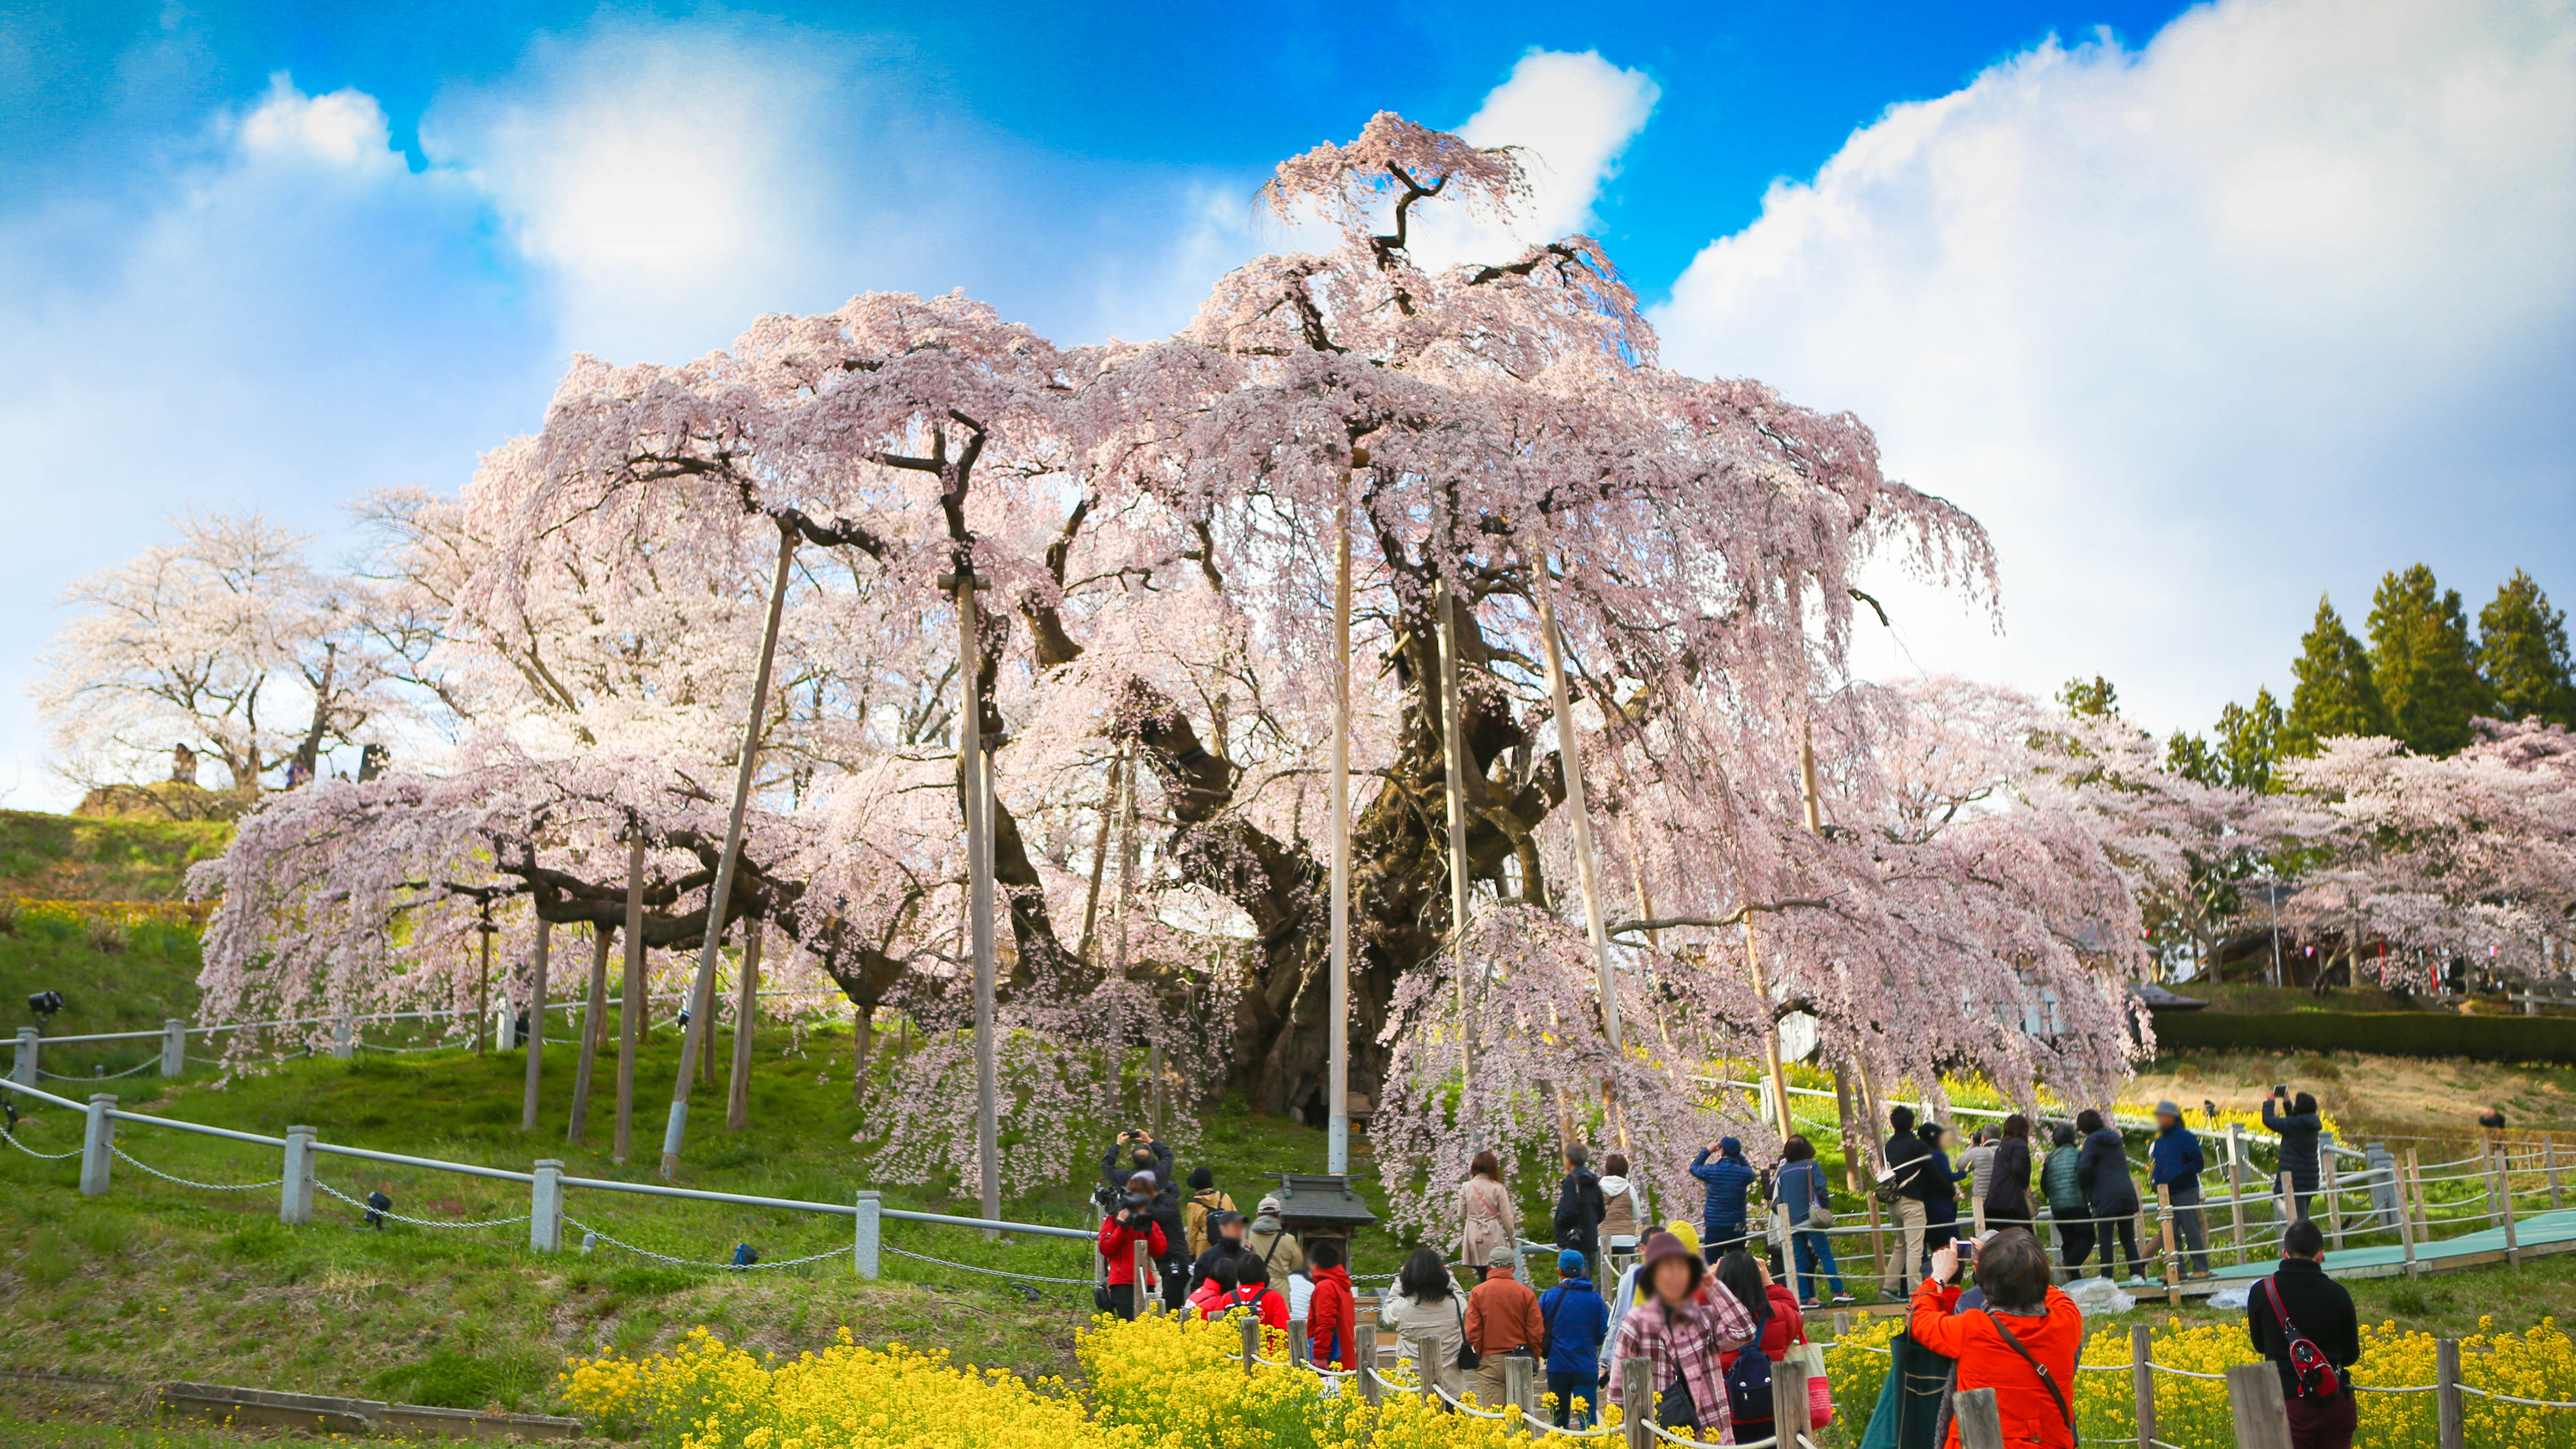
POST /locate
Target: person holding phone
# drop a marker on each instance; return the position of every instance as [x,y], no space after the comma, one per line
[2022,1341]
[2299,1124]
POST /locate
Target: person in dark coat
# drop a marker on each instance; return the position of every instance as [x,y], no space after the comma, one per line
[1937,1187]
[1136,1151]
[1905,1162]
[2008,1181]
[1580,1207]
[2322,1311]
[1225,1245]
[2110,1194]
[2176,1162]
[1728,1179]
[2299,1125]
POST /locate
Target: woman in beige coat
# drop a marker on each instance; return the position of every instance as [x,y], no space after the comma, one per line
[1486,1221]
[1428,1310]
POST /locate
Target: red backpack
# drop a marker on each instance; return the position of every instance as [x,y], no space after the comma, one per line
[2317,1377]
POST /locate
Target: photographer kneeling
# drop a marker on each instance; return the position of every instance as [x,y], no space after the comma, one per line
[2022,1343]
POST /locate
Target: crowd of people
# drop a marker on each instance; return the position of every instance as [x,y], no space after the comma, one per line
[1710,1310]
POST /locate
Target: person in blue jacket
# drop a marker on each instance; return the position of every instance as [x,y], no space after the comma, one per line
[1576,1321]
[2174,1164]
[1729,1178]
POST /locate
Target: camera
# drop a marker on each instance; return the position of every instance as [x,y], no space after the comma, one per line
[1108,1199]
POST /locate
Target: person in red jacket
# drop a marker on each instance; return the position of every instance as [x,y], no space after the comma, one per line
[2034,1394]
[1254,1292]
[1783,1326]
[1131,1224]
[1332,1315]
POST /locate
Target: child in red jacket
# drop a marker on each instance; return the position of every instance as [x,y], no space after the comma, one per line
[1332,1315]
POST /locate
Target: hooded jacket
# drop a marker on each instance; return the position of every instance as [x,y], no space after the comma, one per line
[2102,1169]
[1267,1239]
[1618,1207]
[1332,1320]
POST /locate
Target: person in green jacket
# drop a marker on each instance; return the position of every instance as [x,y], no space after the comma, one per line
[2070,1218]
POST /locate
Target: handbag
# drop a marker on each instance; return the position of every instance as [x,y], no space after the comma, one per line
[1820,1217]
[2065,1410]
[1468,1358]
[1820,1390]
[2316,1374]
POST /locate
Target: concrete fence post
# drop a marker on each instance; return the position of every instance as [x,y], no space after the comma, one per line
[295,1194]
[344,1039]
[505,1027]
[870,1238]
[22,1068]
[174,1048]
[98,1137]
[545,1208]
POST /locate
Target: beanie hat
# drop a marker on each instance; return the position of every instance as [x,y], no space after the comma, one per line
[1729,1147]
[1200,1177]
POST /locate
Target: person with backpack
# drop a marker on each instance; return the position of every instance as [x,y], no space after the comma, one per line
[1800,1189]
[2303,1321]
[1580,1206]
[1252,1290]
[2110,1194]
[1204,1199]
[1727,1179]
[1214,1290]
[1269,1240]
[1572,1321]
[1502,1319]
[2067,1211]
[2022,1343]
[1332,1314]
[1905,1161]
[1780,1326]
[1679,1332]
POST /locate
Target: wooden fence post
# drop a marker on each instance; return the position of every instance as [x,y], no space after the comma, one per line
[2549,1160]
[1251,1341]
[1423,1365]
[1297,1343]
[1788,1399]
[1364,1349]
[2423,1209]
[2289,1201]
[2142,1382]
[1637,1402]
[1520,1387]
[2236,1185]
[1142,1264]
[1980,1425]
[2405,1219]
[2334,1204]
[2500,1165]
[1877,1243]
[2165,1226]
[2254,1394]
[2446,1394]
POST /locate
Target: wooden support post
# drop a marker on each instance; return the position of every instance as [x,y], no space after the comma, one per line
[2165,1228]
[1977,1215]
[1297,1343]
[1251,1342]
[2236,1186]
[594,1020]
[2423,1209]
[2254,1394]
[1337,998]
[1142,1273]
[2504,1186]
[2142,1382]
[2334,1202]
[2451,1421]
[1877,1237]
[1637,1402]
[536,1024]
[1423,1367]
[1364,1342]
[746,1022]
[1788,1399]
[1455,771]
[630,1015]
[2289,1201]
[2549,1165]
[1979,1424]
[2406,1215]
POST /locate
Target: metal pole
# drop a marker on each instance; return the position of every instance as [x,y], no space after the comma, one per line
[976,791]
[536,1025]
[630,1006]
[720,896]
[1337,1106]
[746,1016]
[1454,770]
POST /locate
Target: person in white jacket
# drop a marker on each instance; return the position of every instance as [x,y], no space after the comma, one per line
[1626,1211]
[1427,1310]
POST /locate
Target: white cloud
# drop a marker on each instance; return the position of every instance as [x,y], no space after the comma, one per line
[345,129]
[1572,116]
[2280,301]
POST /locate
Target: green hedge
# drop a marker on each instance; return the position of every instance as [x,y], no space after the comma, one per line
[2394,1033]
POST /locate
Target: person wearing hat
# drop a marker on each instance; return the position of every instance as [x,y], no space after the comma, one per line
[2174,1164]
[1271,1242]
[1572,1321]
[1204,1199]
[1631,1292]
[1728,1179]
[1225,1244]
[1680,1332]
[1133,1223]
[1502,1318]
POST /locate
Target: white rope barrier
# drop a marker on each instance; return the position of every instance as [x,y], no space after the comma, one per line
[184,1182]
[2510,1399]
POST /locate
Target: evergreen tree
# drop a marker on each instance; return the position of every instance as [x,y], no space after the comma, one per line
[2249,741]
[2422,661]
[2335,694]
[2522,654]
[2191,757]
[2093,698]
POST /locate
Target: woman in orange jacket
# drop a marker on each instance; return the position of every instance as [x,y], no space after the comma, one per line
[2022,1343]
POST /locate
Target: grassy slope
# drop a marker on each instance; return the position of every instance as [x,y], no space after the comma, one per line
[68,857]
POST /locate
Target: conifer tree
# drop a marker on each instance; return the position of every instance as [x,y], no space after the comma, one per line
[2335,694]
[2522,654]
[2095,698]
[2420,658]
[2248,741]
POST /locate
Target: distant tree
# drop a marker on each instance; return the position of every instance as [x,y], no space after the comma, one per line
[2421,659]
[2335,694]
[2249,742]
[2094,698]
[2522,654]
[2190,756]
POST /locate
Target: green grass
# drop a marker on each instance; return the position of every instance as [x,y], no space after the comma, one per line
[73,857]
[153,978]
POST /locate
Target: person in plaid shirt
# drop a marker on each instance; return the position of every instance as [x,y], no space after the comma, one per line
[1680,1333]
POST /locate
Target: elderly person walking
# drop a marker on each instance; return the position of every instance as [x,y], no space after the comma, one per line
[1502,1319]
[1680,1332]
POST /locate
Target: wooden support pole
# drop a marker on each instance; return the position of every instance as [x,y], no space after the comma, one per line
[2406,1212]
[1423,1367]
[2254,1396]
[1337,1086]
[594,1025]
[1141,1266]
[2236,1186]
[2504,1186]
[2451,1421]
[1980,1425]
[2165,1230]
[1251,1342]
[536,1025]
[1520,1389]
[1454,773]
[1789,1402]
[746,1022]
[630,1014]
[2549,1166]
[2423,1209]
[1364,1342]
[1637,1402]
[2334,1200]
[1587,869]
[2142,1382]
[1298,1343]
[975,803]
[1877,1234]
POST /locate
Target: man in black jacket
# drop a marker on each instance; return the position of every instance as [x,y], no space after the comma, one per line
[1906,1154]
[2321,1311]
[1225,1241]
[1580,1207]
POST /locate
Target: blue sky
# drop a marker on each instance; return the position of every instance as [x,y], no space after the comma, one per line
[2202,312]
